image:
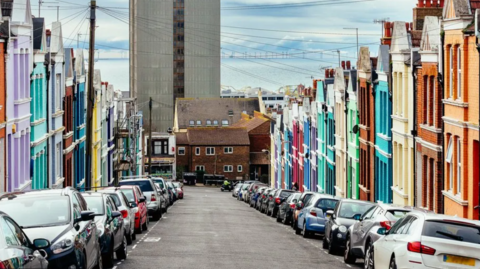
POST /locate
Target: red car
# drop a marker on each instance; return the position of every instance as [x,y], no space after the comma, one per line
[135,195]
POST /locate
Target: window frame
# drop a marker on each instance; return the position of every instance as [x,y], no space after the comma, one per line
[225,123]
[202,168]
[450,95]
[228,150]
[229,170]
[239,168]
[459,166]
[192,123]
[197,151]
[207,149]
[459,73]
[181,149]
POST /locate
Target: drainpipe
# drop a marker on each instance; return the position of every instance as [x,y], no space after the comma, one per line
[441,81]
[349,188]
[47,154]
[414,131]
[478,206]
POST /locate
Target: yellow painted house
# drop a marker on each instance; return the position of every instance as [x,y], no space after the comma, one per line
[97,131]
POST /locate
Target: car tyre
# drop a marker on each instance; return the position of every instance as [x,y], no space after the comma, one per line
[348,257]
[134,235]
[99,261]
[145,225]
[306,234]
[297,231]
[285,220]
[157,215]
[369,258]
[325,242]
[122,250]
[129,238]
[393,264]
[108,258]
[278,218]
[331,247]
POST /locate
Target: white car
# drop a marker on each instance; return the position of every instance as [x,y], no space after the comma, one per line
[428,240]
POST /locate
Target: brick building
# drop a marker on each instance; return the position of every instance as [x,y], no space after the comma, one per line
[461,95]
[366,104]
[218,151]
[429,111]
[68,120]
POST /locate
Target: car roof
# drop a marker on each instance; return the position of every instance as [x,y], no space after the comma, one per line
[137,179]
[89,193]
[324,196]
[47,192]
[356,201]
[441,217]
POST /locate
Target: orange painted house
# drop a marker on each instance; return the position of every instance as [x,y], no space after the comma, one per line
[461,101]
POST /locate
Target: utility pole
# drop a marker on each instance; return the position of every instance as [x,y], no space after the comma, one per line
[150,105]
[58,11]
[356,29]
[91,97]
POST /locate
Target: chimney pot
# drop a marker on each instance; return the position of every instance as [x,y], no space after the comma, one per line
[442,2]
[331,73]
[326,73]
[348,65]
[407,26]
[428,3]
[343,64]
[420,3]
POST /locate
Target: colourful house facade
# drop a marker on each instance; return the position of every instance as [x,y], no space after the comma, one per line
[68,120]
[38,121]
[3,108]
[353,144]
[330,179]
[321,134]
[79,104]
[96,133]
[340,132]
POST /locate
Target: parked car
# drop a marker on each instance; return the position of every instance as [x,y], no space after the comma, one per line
[136,197]
[156,204]
[179,189]
[346,213]
[69,225]
[285,211]
[173,190]
[128,210]
[363,234]
[312,217]
[255,195]
[252,188]
[163,190]
[427,240]
[110,226]
[264,200]
[16,246]
[278,197]
[304,198]
[243,191]
[236,190]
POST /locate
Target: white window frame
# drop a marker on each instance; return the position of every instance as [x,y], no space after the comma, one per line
[451,73]
[215,123]
[459,73]
[197,151]
[434,101]
[199,123]
[459,165]
[228,168]
[225,123]
[427,101]
[202,168]
[58,92]
[181,149]
[191,123]
[239,168]
[58,170]
[228,150]
[209,151]
[448,159]
[157,149]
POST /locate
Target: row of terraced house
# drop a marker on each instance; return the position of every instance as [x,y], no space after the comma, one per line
[43,109]
[402,127]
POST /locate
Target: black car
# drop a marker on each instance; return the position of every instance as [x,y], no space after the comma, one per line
[62,217]
[277,199]
[346,213]
[110,226]
[262,200]
[15,246]
[285,210]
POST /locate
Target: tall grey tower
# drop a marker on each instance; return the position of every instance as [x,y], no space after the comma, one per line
[174,53]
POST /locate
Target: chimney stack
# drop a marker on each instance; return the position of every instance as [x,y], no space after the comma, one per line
[326,73]
[343,65]
[348,65]
[332,72]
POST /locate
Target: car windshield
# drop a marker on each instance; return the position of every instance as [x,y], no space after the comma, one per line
[349,210]
[160,183]
[129,194]
[144,185]
[394,215]
[29,212]
[95,204]
[285,194]
[177,185]
[452,231]
[244,187]
[116,199]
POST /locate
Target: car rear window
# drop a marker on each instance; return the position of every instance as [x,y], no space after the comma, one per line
[326,204]
[116,199]
[284,194]
[95,204]
[160,182]
[394,215]
[452,231]
[143,184]
[129,194]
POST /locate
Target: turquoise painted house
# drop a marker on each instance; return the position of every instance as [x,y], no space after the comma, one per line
[321,136]
[330,181]
[353,134]
[38,119]
[383,121]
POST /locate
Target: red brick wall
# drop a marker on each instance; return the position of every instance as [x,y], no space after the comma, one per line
[259,142]
[184,160]
[240,156]
[367,151]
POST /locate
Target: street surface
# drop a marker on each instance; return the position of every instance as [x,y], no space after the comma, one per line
[211,229]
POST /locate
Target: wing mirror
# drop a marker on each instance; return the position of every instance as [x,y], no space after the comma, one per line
[330,214]
[133,205]
[382,231]
[116,214]
[164,191]
[357,217]
[142,199]
[41,243]
[299,205]
[86,216]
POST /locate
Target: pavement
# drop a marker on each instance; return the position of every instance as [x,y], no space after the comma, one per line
[211,229]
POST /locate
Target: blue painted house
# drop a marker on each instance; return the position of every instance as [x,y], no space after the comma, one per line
[313,147]
[383,122]
[306,144]
[38,108]
[288,147]
[321,136]
[79,110]
[330,181]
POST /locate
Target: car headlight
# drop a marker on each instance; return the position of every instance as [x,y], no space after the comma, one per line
[63,244]
[342,229]
[100,229]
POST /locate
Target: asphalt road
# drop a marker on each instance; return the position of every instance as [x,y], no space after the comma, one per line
[210,229]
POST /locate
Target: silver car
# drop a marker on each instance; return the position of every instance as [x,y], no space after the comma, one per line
[236,189]
[163,188]
[127,209]
[156,203]
[362,234]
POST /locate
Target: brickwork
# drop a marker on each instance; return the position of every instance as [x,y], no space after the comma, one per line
[212,163]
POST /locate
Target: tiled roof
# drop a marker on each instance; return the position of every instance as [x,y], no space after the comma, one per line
[214,136]
[182,138]
[259,158]
[213,109]
[250,124]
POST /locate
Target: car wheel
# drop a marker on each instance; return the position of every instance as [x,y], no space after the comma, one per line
[285,221]
[145,225]
[348,257]
[297,231]
[325,243]
[129,238]
[122,250]
[134,235]
[331,248]
[278,218]
[306,234]
[99,264]
[108,258]
[369,260]
[393,264]
[157,215]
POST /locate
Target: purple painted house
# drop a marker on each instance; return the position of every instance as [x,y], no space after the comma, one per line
[18,68]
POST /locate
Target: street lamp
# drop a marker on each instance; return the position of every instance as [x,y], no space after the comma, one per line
[267,152]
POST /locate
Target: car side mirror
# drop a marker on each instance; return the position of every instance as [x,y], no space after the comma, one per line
[133,205]
[116,214]
[87,215]
[41,243]
[299,205]
[164,191]
[382,231]
[141,199]
[357,217]
[330,214]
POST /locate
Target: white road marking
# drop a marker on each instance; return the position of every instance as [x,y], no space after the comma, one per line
[114,267]
[134,246]
[118,263]
[152,239]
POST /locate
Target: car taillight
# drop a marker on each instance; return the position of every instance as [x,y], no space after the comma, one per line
[387,224]
[292,206]
[417,247]
[313,212]
[263,196]
[277,200]
[124,213]
[270,198]
[153,198]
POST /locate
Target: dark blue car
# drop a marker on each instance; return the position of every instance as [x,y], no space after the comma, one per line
[255,195]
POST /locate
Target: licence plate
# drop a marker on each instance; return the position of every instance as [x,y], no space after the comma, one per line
[459,260]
